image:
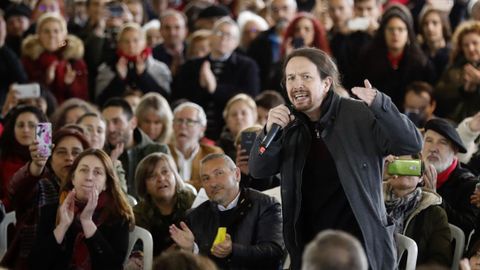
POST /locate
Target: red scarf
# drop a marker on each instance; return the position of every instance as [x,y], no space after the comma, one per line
[133,58]
[394,60]
[443,176]
[81,257]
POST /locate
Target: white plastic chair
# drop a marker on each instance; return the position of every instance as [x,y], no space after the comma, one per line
[10,218]
[131,200]
[141,234]
[459,237]
[405,243]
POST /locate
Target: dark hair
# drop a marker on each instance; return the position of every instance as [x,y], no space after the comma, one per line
[419,87]
[181,260]
[59,116]
[120,206]
[60,134]
[320,40]
[446,28]
[269,99]
[119,102]
[324,63]
[8,142]
[411,48]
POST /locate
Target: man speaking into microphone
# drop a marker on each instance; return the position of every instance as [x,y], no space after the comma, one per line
[329,151]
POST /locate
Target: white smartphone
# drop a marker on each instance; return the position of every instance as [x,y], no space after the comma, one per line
[30,90]
[358,24]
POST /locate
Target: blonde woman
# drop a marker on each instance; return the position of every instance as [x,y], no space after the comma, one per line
[155,117]
[132,68]
[54,58]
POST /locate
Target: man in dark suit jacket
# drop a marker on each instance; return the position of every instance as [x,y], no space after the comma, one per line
[211,81]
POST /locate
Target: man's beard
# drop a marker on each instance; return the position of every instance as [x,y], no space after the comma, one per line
[442,166]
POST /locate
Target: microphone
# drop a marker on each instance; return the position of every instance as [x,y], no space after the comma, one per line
[269,138]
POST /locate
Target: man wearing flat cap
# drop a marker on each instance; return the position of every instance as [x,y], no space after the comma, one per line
[449,179]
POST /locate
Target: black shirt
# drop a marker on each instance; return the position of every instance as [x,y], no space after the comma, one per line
[324,203]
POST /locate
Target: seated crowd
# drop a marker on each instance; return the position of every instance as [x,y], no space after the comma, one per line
[159,102]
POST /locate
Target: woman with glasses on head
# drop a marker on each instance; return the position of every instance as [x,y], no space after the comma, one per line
[189,124]
[18,134]
[164,198]
[418,213]
[88,228]
[36,185]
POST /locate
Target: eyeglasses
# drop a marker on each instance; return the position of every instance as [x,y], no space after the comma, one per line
[219,33]
[186,121]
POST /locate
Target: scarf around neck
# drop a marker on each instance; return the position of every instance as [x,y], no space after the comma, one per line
[400,208]
[81,259]
[144,54]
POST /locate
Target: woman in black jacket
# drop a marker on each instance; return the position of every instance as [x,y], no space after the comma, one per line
[90,229]
[394,59]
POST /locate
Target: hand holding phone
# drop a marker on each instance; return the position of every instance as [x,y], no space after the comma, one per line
[405,167]
[31,90]
[221,233]
[358,24]
[298,42]
[247,140]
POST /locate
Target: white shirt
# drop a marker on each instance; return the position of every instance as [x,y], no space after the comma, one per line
[231,205]
[185,164]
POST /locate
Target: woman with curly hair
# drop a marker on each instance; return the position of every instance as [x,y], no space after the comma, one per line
[18,134]
[458,91]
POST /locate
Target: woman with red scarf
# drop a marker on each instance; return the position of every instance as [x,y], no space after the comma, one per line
[55,59]
[133,68]
[90,229]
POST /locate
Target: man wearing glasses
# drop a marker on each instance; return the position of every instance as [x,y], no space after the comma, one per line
[211,81]
[189,125]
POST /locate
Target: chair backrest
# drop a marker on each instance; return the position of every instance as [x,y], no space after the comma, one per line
[405,243]
[459,238]
[131,200]
[9,219]
[141,234]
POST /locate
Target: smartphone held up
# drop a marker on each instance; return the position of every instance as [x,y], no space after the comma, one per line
[43,135]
